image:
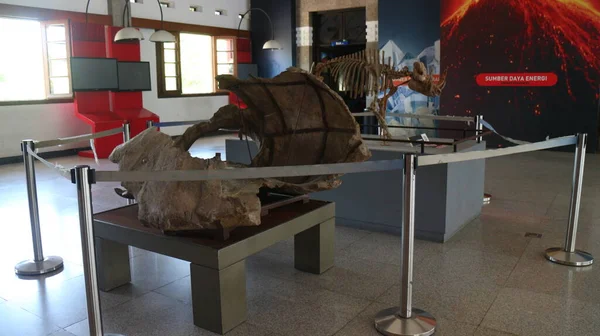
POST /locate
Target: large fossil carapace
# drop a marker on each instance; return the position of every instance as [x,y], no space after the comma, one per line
[296,120]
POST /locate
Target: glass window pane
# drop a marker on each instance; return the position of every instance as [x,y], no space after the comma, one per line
[225,69]
[171,83]
[224,44]
[170,69]
[170,56]
[225,57]
[21,61]
[57,50]
[196,63]
[56,33]
[169,45]
[59,85]
[58,68]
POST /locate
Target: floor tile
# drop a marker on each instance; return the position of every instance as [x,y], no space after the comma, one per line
[307,295]
[152,314]
[527,313]
[467,265]
[61,332]
[16,321]
[12,286]
[482,236]
[363,324]
[573,282]
[457,301]
[290,318]
[482,331]
[63,304]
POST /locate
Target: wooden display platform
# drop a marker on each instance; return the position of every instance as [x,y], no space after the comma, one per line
[218,272]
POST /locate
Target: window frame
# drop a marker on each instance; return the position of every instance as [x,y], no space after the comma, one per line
[50,98]
[162,92]
[215,61]
[44,25]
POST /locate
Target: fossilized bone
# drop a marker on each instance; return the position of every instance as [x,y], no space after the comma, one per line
[367,73]
[295,118]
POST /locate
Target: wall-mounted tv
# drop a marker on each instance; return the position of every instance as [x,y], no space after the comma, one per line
[94,74]
[134,76]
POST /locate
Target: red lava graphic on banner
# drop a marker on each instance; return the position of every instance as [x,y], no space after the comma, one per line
[517,79]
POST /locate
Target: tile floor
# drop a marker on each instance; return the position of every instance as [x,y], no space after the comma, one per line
[488,280]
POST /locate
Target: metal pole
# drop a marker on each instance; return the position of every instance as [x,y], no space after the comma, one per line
[569,255]
[479,128]
[149,124]
[126,132]
[82,176]
[127,137]
[406,320]
[39,265]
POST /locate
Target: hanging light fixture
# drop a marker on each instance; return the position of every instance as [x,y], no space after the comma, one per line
[133,34]
[162,36]
[271,44]
[127,34]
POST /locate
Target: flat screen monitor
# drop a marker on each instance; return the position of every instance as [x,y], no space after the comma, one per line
[94,74]
[134,76]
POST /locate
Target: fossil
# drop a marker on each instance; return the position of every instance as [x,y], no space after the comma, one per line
[296,120]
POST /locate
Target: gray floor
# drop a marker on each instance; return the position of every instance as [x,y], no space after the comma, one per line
[488,280]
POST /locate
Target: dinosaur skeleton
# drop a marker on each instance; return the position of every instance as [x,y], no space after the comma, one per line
[367,73]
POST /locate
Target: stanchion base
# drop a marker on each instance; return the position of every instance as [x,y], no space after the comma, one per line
[32,267]
[389,323]
[560,256]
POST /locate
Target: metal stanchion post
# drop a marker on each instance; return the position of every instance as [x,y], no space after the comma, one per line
[479,127]
[487,198]
[127,137]
[126,132]
[149,124]
[39,265]
[82,176]
[569,255]
[406,320]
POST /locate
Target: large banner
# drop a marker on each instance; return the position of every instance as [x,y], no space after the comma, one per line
[531,67]
[409,32]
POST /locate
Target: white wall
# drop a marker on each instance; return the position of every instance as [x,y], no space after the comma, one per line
[181,13]
[38,122]
[96,6]
[175,109]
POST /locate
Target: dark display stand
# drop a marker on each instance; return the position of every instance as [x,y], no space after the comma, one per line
[218,268]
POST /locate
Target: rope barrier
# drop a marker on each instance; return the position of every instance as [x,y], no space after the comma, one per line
[250,173]
[64,172]
[322,169]
[418,116]
[490,153]
[177,123]
[77,138]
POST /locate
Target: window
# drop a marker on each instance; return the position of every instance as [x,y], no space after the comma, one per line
[189,67]
[37,68]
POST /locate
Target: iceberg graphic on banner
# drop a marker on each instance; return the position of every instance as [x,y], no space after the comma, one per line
[392,50]
[406,100]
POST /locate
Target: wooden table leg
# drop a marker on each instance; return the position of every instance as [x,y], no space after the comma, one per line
[219,296]
[314,248]
[112,263]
